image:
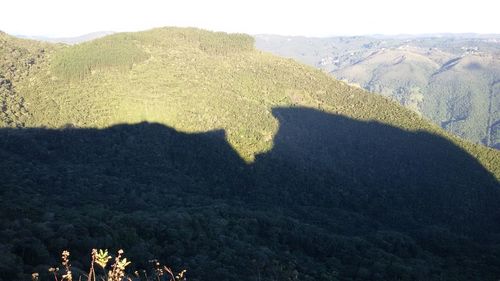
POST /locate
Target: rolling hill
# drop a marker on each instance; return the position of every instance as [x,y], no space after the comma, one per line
[450,80]
[70,40]
[194,148]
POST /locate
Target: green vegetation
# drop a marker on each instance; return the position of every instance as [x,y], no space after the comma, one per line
[233,164]
[19,59]
[116,51]
[184,86]
[394,212]
[449,80]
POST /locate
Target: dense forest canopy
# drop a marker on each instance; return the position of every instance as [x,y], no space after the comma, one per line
[201,152]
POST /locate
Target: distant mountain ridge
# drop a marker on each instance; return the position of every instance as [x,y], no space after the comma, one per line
[450,79]
[70,40]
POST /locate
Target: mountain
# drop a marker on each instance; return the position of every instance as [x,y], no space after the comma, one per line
[450,79]
[70,40]
[196,149]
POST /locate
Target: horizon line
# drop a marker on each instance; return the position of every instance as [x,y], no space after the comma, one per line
[354,34]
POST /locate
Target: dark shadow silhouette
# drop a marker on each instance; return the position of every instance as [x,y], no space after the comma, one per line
[420,178]
[412,198]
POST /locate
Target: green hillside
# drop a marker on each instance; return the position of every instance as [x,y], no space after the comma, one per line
[205,80]
[458,94]
[194,148]
[449,79]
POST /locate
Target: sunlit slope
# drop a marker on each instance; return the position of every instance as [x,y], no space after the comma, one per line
[463,96]
[398,73]
[193,81]
[20,60]
[451,79]
[459,94]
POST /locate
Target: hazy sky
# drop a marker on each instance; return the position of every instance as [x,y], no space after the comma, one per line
[308,17]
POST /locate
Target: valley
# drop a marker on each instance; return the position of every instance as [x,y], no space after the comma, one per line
[448,79]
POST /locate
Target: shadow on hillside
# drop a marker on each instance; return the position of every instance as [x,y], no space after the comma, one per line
[330,161]
[402,178]
[342,175]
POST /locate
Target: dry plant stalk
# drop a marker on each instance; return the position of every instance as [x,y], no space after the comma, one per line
[54,271]
[118,268]
[65,262]
[117,272]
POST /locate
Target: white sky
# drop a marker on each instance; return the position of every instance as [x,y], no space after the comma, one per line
[59,18]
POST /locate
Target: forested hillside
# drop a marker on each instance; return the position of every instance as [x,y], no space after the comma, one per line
[450,79]
[193,148]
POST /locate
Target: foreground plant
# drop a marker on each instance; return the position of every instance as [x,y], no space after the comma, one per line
[67,266]
[116,272]
[161,270]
